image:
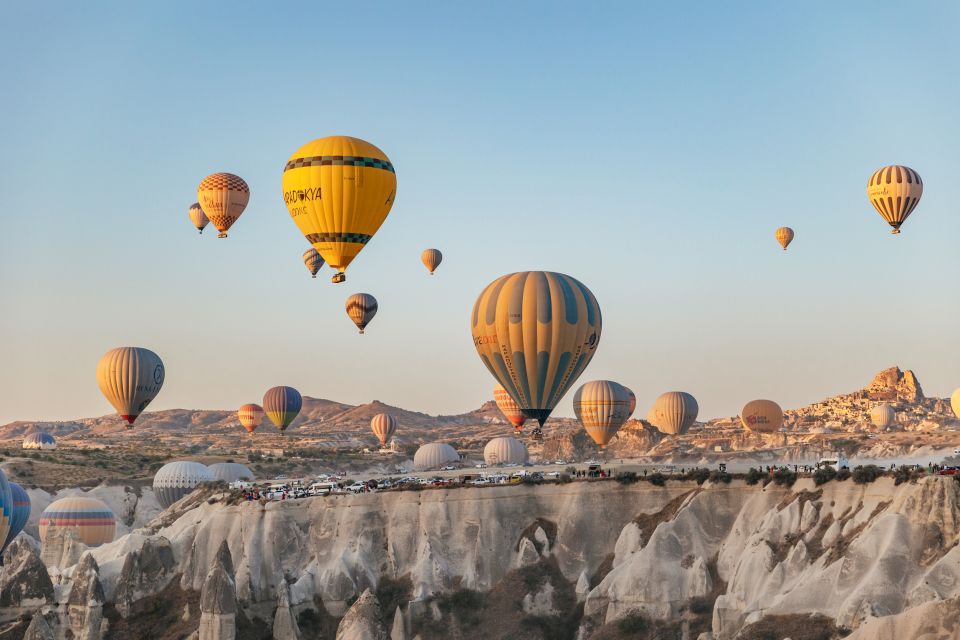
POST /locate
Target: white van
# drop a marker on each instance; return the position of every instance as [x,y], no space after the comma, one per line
[322,488]
[837,461]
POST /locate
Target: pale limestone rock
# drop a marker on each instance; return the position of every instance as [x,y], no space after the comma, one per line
[284,622]
[629,542]
[583,586]
[24,581]
[541,602]
[61,548]
[85,603]
[527,553]
[364,620]
[218,599]
[39,629]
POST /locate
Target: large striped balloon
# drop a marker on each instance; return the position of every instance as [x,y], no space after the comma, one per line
[177,479]
[508,407]
[602,406]
[21,513]
[282,405]
[339,191]
[89,519]
[675,412]
[130,378]
[198,217]
[536,331]
[361,307]
[223,197]
[250,416]
[894,192]
[312,260]
[383,426]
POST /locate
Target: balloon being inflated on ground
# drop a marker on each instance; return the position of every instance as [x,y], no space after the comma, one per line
[174,480]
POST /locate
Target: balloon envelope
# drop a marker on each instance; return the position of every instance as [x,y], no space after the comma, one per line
[174,480]
[508,407]
[764,416]
[434,455]
[198,217]
[313,261]
[383,426]
[602,406]
[784,236]
[339,191]
[7,510]
[883,416]
[130,378]
[361,307]
[675,412]
[39,440]
[230,472]
[21,513]
[91,520]
[894,192]
[955,402]
[250,416]
[431,259]
[223,197]
[282,405]
[505,450]
[536,331]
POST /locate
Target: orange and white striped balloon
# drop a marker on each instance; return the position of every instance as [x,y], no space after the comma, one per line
[508,407]
[602,406]
[383,426]
[894,192]
[198,217]
[250,416]
[223,197]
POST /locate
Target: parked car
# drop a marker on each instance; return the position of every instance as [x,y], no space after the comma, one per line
[559,462]
[482,465]
[449,467]
[552,475]
[357,487]
[950,471]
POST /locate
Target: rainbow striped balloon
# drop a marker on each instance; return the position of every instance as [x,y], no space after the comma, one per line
[282,405]
[90,519]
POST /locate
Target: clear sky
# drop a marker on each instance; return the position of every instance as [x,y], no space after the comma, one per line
[649,151]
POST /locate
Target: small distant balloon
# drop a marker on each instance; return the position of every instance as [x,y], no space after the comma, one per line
[602,406]
[130,378]
[198,217]
[313,261]
[361,307]
[763,416]
[250,416]
[383,426]
[784,236]
[223,197]
[894,192]
[431,259]
[675,412]
[883,416]
[282,406]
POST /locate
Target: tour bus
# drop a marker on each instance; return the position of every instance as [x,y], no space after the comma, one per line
[836,460]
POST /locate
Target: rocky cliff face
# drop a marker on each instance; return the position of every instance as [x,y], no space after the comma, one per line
[476,563]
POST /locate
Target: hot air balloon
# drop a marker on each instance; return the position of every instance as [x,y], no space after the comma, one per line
[434,455]
[505,450]
[21,513]
[675,412]
[361,307]
[89,519]
[633,401]
[508,407]
[955,402]
[130,378]
[198,217]
[230,472]
[339,191]
[883,416]
[383,425]
[602,406]
[313,261]
[784,236]
[431,259]
[282,404]
[763,416]
[536,331]
[174,480]
[894,192]
[250,416]
[39,440]
[6,509]
[223,197]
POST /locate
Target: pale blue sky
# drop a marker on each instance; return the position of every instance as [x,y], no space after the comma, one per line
[649,152]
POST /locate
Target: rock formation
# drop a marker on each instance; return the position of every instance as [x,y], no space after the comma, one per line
[146,571]
[85,603]
[218,599]
[364,620]
[39,629]
[895,385]
[24,581]
[284,622]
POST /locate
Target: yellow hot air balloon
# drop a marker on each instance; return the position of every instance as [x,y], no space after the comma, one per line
[361,307]
[223,197]
[383,426]
[602,406]
[431,259]
[130,377]
[675,412]
[250,416]
[955,402]
[763,416]
[536,331]
[339,191]
[894,192]
[784,236]
[198,217]
[508,407]
[313,261]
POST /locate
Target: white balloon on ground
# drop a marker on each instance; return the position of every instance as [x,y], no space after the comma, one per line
[174,480]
